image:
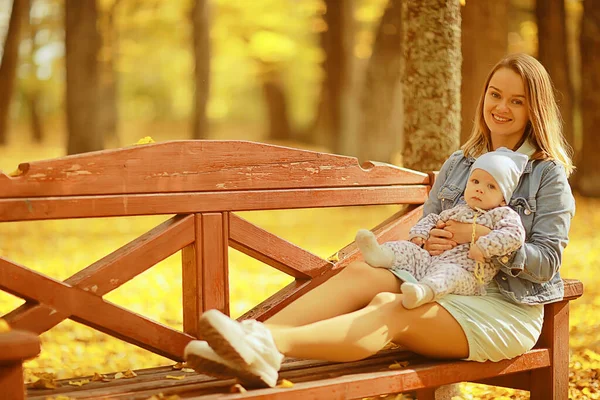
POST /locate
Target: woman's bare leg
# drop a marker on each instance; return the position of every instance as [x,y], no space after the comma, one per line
[428,330]
[351,289]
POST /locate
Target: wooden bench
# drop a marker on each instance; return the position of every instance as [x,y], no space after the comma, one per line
[202,184]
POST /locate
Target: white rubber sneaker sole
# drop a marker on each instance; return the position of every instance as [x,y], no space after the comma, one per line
[227,339]
[203,362]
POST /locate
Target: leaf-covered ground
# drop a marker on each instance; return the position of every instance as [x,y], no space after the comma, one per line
[61,248]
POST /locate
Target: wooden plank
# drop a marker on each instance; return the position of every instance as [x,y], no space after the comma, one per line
[519,381]
[92,310]
[39,208]
[363,385]
[573,289]
[111,271]
[198,165]
[191,261]
[553,382]
[273,250]
[215,277]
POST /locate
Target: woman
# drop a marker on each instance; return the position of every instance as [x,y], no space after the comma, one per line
[359,311]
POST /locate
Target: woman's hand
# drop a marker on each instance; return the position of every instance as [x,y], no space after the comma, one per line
[439,240]
[461,232]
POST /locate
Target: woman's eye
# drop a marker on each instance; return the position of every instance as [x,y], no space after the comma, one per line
[495,95]
[518,102]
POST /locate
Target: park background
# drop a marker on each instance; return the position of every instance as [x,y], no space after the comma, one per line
[328,75]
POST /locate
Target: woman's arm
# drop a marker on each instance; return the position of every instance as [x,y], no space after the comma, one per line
[540,257]
[439,240]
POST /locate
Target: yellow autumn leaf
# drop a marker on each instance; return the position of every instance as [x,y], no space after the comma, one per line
[398,365]
[125,374]
[175,377]
[100,378]
[285,384]
[334,258]
[145,140]
[187,370]
[4,327]
[237,388]
[79,383]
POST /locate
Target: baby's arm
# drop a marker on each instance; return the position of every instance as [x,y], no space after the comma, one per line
[420,232]
[507,235]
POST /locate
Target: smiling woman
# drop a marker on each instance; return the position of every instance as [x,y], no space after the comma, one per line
[505,108]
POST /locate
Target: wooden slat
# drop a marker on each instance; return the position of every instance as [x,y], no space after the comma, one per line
[519,381]
[553,382]
[199,165]
[92,310]
[215,277]
[355,386]
[573,289]
[111,271]
[39,208]
[273,250]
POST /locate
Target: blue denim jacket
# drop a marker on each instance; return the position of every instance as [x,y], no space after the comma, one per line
[546,205]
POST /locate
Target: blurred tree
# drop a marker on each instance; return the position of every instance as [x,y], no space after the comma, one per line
[431,82]
[553,54]
[82,43]
[380,134]
[10,58]
[201,27]
[588,176]
[277,108]
[333,124]
[30,84]
[484,43]
[108,112]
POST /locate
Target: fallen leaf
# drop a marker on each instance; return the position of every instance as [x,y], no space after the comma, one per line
[187,370]
[398,365]
[178,366]
[145,140]
[79,383]
[334,258]
[285,384]
[175,377]
[100,378]
[4,327]
[237,388]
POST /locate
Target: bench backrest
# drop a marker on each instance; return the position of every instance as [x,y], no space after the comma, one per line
[201,182]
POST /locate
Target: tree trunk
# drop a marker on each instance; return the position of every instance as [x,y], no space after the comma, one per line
[279,122]
[108,112]
[380,134]
[81,53]
[334,124]
[588,176]
[432,82]
[31,88]
[484,43]
[553,54]
[8,67]
[200,23]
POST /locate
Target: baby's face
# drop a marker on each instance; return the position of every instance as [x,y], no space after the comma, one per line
[482,191]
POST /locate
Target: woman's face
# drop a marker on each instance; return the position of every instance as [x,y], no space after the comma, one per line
[505,108]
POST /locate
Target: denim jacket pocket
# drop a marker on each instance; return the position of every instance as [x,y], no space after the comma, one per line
[448,195]
[526,210]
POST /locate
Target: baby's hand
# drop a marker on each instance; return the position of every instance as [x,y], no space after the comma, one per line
[476,254]
[419,241]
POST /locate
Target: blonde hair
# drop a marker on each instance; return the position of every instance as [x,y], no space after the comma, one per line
[544,129]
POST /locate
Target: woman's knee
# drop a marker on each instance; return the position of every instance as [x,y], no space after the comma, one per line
[362,275]
[386,298]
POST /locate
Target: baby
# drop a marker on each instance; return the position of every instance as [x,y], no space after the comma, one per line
[466,268]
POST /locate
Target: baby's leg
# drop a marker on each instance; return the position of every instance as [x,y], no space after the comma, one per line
[450,278]
[374,254]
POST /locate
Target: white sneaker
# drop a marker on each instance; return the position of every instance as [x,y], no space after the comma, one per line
[204,360]
[248,345]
